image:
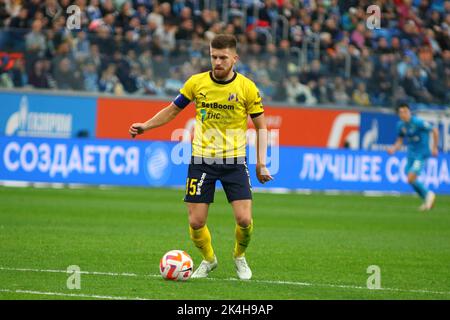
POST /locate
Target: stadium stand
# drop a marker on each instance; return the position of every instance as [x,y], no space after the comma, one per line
[307,52]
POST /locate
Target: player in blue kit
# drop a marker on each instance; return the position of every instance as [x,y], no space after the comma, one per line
[415,133]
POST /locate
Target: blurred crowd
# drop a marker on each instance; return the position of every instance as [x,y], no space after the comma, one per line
[303,52]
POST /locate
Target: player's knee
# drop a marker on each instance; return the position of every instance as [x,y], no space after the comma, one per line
[197,218]
[244,221]
[411,179]
[196,223]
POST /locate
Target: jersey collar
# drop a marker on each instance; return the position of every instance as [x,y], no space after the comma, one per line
[223,82]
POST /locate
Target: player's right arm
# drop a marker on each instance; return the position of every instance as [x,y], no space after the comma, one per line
[161,118]
[168,113]
[397,145]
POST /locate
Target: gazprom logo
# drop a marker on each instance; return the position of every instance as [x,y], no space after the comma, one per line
[370,138]
[157,164]
[38,124]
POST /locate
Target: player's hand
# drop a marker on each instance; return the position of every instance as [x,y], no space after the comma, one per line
[263,174]
[136,128]
[434,152]
[391,150]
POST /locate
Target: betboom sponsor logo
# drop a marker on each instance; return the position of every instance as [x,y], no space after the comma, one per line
[62,160]
[38,124]
[157,164]
[216,105]
[369,168]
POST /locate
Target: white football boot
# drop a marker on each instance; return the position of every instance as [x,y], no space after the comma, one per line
[242,269]
[205,268]
[429,200]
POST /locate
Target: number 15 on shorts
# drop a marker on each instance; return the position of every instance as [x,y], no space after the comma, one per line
[191,186]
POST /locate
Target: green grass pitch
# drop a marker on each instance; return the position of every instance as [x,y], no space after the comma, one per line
[304,246]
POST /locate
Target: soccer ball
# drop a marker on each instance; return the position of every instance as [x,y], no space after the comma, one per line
[176,265]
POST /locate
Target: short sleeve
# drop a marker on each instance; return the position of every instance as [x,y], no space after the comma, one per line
[254,100]
[424,125]
[188,89]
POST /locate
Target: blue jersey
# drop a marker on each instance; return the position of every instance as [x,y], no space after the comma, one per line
[416,135]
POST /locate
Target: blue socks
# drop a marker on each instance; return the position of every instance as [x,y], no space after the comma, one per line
[420,189]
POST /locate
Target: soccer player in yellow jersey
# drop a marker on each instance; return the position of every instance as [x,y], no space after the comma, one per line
[223,100]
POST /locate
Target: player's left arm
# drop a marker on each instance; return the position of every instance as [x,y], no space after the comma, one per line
[428,126]
[262,173]
[434,149]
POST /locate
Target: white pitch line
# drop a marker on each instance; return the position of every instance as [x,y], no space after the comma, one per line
[99,273]
[79,295]
[293,283]
[342,286]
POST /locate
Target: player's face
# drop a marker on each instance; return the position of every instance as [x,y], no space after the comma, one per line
[222,61]
[404,114]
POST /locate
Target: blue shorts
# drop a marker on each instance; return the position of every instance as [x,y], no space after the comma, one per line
[203,174]
[415,165]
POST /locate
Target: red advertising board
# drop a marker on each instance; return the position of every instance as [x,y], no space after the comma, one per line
[312,127]
[114,117]
[297,126]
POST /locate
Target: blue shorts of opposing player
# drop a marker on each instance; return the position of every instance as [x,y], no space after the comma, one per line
[415,166]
